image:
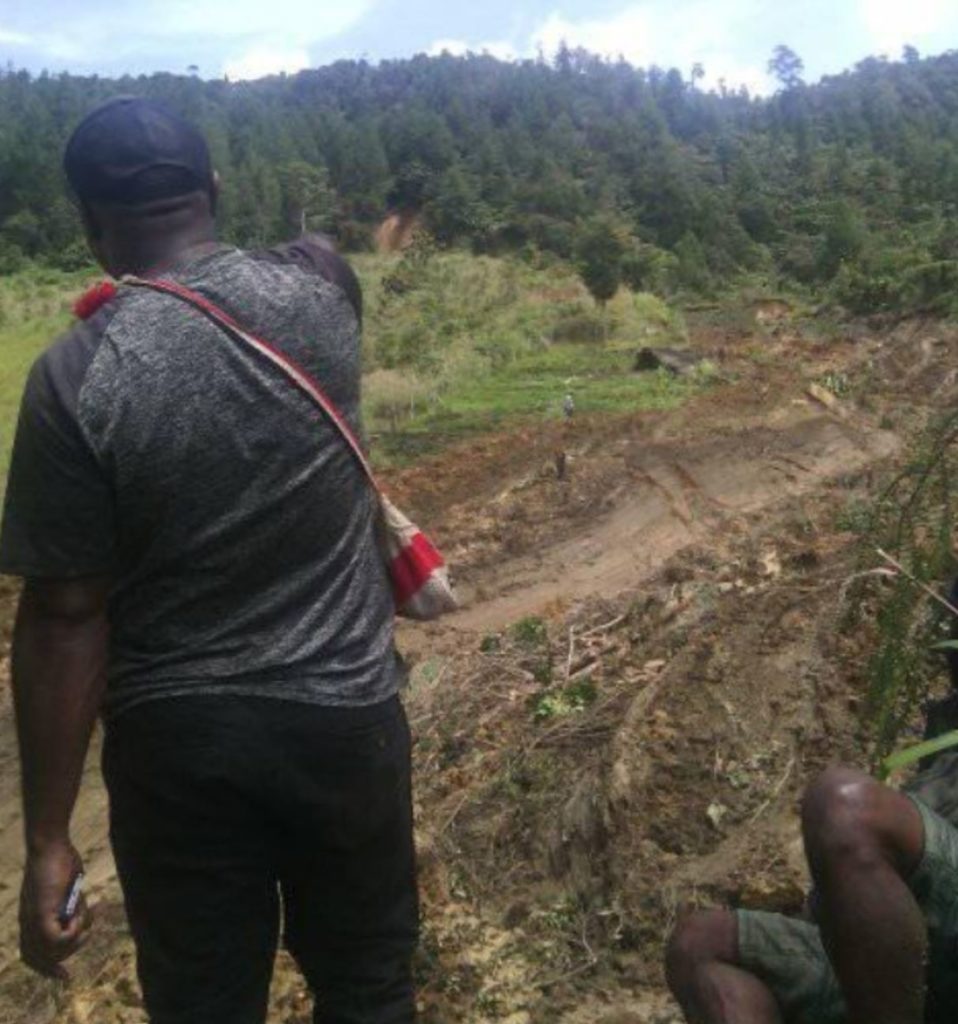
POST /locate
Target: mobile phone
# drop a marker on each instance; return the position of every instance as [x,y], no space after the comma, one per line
[72,901]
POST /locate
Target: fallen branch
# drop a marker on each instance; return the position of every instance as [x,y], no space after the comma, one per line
[568,663]
[452,817]
[934,595]
[848,581]
[584,669]
[776,792]
[588,965]
[605,627]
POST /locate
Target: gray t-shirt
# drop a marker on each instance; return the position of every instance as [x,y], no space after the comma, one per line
[236,524]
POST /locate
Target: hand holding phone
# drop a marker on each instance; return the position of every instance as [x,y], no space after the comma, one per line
[72,901]
[54,918]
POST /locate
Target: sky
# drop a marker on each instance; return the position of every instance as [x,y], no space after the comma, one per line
[246,39]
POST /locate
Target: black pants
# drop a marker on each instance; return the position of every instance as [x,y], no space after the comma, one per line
[218,806]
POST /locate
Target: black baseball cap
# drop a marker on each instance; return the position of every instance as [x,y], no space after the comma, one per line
[132,150]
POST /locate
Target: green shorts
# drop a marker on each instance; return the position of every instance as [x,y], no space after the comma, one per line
[789,957]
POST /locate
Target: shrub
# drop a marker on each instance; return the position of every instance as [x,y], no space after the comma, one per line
[12,258]
[844,239]
[391,396]
[932,286]
[530,632]
[647,268]
[580,325]
[658,314]
[913,520]
[692,271]
[878,280]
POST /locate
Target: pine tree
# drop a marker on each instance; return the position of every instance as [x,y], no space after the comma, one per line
[309,199]
[600,251]
[786,65]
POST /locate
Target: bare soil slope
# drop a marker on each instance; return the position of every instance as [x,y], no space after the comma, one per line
[649,665]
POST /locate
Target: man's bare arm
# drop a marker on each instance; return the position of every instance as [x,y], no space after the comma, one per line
[59,668]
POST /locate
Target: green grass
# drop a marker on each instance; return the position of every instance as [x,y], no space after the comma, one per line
[531,389]
[481,344]
[34,309]
[486,343]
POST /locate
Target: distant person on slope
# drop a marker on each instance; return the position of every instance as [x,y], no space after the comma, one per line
[201,569]
[884,945]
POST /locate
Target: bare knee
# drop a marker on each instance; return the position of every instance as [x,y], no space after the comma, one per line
[849,819]
[700,939]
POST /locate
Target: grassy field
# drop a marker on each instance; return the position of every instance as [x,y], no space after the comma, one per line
[476,344]
[482,342]
[531,389]
[34,309]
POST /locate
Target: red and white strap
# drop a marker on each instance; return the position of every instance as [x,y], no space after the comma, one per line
[301,377]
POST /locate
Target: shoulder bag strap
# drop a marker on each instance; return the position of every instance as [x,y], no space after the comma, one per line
[299,376]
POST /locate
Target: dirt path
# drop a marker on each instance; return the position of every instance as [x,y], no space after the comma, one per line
[647,748]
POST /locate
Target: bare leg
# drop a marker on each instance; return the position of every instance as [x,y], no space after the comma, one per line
[704,978]
[863,840]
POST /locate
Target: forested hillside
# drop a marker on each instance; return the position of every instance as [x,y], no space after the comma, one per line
[850,183]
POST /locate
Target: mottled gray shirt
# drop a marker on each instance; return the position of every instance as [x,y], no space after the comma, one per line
[236,524]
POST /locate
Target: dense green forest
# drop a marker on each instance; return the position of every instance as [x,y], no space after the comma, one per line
[851,183]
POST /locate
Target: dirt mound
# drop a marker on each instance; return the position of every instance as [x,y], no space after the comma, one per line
[586,778]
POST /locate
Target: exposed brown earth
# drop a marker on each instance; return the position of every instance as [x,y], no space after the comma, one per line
[397,231]
[639,741]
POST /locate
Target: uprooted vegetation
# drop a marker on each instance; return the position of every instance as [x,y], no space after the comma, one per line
[588,770]
[583,783]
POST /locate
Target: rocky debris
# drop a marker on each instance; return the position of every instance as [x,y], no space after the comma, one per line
[823,396]
[771,565]
[716,813]
[678,361]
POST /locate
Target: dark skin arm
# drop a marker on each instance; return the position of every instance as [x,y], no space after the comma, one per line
[59,660]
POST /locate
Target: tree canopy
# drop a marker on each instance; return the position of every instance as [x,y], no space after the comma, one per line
[853,180]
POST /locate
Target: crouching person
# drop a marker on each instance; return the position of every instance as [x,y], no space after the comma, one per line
[881,942]
[883,948]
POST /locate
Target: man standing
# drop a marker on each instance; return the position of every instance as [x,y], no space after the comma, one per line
[201,567]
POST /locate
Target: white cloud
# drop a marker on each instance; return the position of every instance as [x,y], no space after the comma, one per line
[659,32]
[892,23]
[628,34]
[14,38]
[263,61]
[669,34]
[454,47]
[257,38]
[502,49]
[301,21]
[722,69]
